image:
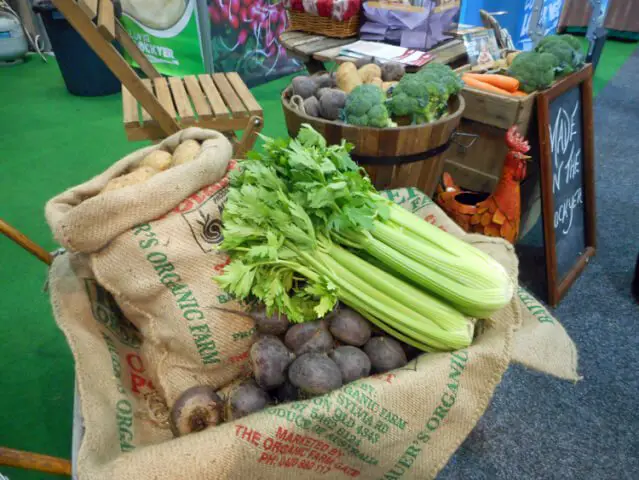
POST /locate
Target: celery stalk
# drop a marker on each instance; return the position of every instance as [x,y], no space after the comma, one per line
[393,312]
[469,300]
[442,239]
[353,302]
[418,300]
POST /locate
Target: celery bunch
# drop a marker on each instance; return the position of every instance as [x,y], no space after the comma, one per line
[300,223]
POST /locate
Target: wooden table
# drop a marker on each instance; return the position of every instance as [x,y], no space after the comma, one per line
[314,50]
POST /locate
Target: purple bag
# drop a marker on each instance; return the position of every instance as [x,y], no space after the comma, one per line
[417,30]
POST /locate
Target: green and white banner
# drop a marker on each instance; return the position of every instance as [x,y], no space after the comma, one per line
[168,32]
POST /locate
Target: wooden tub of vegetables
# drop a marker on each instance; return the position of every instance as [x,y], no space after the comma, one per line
[399,124]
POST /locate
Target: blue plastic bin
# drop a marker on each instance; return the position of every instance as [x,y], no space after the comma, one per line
[83,72]
[517,20]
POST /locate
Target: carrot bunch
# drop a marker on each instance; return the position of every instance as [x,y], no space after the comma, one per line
[499,84]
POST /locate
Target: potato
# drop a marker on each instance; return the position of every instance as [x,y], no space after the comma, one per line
[322,91]
[331,103]
[244,399]
[347,77]
[304,86]
[275,324]
[385,353]
[392,71]
[196,409]
[311,107]
[287,392]
[323,80]
[309,337]
[378,82]
[158,160]
[481,68]
[269,359]
[350,327]
[315,374]
[369,72]
[137,176]
[185,152]
[363,61]
[352,362]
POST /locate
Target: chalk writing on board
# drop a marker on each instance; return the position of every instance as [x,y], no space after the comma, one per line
[566,155]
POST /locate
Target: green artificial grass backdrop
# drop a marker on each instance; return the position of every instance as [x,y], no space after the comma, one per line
[50,141]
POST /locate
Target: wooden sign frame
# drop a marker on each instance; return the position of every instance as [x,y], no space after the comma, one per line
[582,79]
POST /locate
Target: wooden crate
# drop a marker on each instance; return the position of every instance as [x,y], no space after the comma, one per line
[498,110]
[488,116]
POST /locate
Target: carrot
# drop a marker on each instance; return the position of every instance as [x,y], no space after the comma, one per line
[509,84]
[519,93]
[473,83]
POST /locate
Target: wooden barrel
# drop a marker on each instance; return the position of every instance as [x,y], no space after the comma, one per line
[404,156]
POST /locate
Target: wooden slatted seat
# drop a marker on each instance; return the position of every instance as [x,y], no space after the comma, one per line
[220,101]
[156,107]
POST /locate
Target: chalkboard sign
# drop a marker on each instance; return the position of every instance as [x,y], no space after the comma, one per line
[567,176]
[566,140]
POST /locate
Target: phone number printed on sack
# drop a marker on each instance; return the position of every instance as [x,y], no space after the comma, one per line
[349,419]
[184,297]
[291,450]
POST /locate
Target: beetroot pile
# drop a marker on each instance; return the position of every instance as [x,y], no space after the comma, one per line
[291,362]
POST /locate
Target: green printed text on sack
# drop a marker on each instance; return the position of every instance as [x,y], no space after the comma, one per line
[447,400]
[123,407]
[184,297]
[348,419]
[534,307]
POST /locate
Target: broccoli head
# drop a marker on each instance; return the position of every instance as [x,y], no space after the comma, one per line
[534,70]
[562,47]
[569,39]
[424,95]
[410,97]
[446,75]
[438,95]
[365,106]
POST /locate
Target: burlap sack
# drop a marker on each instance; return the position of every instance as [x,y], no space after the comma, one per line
[403,424]
[154,248]
[541,343]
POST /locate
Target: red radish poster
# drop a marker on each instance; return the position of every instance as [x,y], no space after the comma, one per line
[244,37]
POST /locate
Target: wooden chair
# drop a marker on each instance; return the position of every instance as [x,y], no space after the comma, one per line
[156,107]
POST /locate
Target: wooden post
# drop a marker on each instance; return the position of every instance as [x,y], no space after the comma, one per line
[25,242]
[249,136]
[114,61]
[34,461]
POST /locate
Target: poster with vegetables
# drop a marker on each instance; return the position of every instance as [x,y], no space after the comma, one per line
[245,39]
[167,32]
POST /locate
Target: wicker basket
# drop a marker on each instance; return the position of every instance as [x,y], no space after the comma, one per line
[305,22]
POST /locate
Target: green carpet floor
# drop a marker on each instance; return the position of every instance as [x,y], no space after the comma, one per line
[49,141]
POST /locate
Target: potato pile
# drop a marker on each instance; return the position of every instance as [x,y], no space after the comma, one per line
[324,94]
[292,362]
[496,65]
[154,163]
